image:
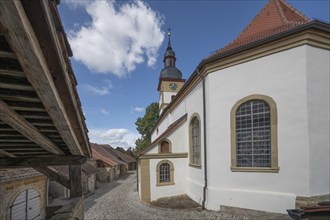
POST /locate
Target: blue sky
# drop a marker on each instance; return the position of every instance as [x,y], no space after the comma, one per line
[118,49]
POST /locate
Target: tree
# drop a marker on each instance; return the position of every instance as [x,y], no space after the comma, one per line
[144,126]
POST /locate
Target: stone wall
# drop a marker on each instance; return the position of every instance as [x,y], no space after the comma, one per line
[11,189]
[302,201]
[102,174]
[55,190]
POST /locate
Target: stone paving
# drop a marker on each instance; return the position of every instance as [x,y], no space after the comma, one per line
[119,200]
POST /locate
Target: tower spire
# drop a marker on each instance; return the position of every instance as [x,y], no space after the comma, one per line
[169,39]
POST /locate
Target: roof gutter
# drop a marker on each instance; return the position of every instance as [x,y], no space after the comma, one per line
[204,134]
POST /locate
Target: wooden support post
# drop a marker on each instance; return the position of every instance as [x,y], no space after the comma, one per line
[75,180]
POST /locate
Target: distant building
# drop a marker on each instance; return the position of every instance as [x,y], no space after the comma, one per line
[108,166]
[250,127]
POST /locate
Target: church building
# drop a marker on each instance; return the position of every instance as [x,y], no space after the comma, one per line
[250,127]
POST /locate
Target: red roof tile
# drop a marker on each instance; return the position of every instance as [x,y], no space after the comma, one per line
[100,153]
[276,17]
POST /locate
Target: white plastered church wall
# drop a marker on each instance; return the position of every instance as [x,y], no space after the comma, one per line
[281,76]
[318,98]
[180,178]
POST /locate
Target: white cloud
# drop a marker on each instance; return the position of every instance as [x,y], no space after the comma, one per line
[103,111]
[118,37]
[115,137]
[103,90]
[138,109]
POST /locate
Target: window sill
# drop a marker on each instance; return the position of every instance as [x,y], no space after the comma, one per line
[165,184]
[195,165]
[256,169]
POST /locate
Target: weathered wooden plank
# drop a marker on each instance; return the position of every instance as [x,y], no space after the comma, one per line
[23,41]
[14,73]
[58,63]
[5,153]
[7,54]
[75,180]
[25,108]
[2,145]
[52,160]
[20,124]
[15,86]
[56,176]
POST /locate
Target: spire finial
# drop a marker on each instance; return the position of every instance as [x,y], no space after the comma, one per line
[169,38]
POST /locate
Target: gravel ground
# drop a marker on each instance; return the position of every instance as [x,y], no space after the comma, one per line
[119,200]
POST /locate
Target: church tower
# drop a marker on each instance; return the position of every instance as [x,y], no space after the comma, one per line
[170,79]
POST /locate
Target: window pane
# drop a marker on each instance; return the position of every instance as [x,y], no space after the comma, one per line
[253,134]
[164,173]
[195,141]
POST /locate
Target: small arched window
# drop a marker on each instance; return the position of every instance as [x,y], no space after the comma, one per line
[164,147]
[254,134]
[165,173]
[195,142]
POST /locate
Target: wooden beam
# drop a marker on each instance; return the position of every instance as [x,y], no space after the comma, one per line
[19,162]
[23,41]
[5,153]
[56,176]
[20,124]
[14,73]
[75,181]
[7,54]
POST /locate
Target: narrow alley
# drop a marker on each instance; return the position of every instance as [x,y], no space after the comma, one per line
[119,200]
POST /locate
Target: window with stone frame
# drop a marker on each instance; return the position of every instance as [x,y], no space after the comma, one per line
[254,135]
[195,142]
[164,173]
[164,147]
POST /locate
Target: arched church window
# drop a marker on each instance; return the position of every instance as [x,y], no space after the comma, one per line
[254,134]
[195,141]
[165,173]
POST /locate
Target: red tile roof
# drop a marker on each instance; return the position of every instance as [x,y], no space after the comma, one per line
[276,17]
[100,153]
[120,155]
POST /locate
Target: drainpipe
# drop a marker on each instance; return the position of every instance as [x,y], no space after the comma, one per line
[205,156]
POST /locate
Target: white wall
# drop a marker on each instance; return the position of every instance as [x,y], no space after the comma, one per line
[318,119]
[282,76]
[180,177]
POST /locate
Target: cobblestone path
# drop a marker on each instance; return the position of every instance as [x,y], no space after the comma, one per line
[120,200]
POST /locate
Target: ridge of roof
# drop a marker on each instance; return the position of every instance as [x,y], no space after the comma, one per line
[276,17]
[101,153]
[119,155]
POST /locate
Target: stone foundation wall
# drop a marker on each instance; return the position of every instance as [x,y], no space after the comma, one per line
[302,201]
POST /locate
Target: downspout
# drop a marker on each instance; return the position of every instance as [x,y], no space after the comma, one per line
[205,156]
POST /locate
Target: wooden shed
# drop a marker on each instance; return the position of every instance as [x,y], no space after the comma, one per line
[41,119]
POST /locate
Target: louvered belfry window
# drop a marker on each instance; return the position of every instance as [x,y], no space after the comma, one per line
[253,134]
[164,173]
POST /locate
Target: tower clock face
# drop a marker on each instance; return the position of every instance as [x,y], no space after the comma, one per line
[173,86]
